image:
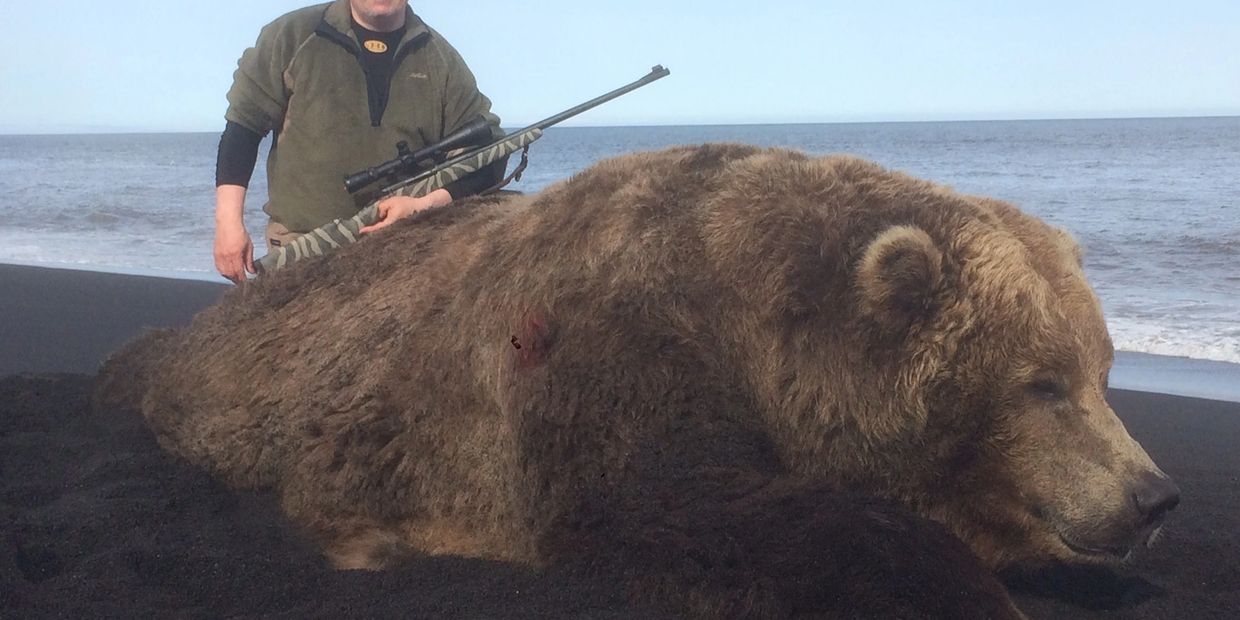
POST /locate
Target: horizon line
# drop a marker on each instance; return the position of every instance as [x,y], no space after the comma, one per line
[516,126]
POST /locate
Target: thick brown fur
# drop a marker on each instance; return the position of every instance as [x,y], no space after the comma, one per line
[749,336]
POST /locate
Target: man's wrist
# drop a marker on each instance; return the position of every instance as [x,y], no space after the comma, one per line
[229,206]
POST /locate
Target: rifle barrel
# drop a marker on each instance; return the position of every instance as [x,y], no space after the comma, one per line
[656,72]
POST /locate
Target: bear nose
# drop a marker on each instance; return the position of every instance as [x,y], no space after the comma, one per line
[1154,496]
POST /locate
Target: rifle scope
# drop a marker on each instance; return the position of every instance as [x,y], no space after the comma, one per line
[474,132]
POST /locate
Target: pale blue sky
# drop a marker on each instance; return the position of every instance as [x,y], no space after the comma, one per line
[125,65]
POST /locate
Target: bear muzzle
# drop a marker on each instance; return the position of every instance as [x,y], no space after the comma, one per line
[1136,525]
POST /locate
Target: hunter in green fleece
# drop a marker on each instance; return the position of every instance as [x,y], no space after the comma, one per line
[340,84]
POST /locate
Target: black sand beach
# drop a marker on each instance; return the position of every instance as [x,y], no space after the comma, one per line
[95,520]
[67,321]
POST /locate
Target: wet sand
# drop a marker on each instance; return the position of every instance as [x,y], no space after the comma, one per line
[95,520]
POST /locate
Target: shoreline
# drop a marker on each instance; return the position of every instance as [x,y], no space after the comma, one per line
[37,292]
[167,274]
[1176,376]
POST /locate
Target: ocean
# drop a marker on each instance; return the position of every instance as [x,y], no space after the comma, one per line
[1155,203]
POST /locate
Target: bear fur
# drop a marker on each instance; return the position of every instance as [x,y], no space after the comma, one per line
[746,381]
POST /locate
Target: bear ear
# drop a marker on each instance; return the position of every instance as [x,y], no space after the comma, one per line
[897,277]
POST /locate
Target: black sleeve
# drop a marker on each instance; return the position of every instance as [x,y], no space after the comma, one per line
[238,152]
[479,181]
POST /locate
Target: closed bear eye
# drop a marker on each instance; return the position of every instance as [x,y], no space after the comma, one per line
[1049,389]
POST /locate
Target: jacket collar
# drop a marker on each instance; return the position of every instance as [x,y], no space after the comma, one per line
[337,25]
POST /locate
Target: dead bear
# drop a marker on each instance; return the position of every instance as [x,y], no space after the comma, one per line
[747,381]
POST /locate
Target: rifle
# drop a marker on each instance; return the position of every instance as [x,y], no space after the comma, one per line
[342,232]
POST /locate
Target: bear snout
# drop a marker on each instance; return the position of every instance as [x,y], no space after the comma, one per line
[1154,496]
[1130,524]
[1135,515]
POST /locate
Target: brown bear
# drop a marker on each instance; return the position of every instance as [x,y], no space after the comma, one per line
[746,381]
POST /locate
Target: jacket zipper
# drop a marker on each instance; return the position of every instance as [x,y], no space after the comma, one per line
[377,108]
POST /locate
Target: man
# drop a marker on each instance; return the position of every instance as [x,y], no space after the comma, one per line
[339,84]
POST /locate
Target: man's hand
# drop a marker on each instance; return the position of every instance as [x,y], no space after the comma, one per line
[397,207]
[234,251]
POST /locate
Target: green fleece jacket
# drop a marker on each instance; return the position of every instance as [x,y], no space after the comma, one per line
[304,81]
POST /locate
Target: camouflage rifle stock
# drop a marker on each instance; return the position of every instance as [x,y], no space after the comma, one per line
[342,232]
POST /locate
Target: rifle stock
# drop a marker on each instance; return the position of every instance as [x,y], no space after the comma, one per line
[344,231]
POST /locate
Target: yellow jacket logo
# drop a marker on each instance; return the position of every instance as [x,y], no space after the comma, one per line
[377,47]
